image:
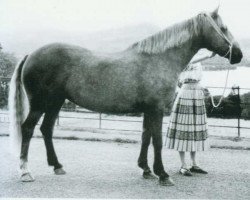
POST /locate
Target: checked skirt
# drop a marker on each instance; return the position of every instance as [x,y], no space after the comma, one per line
[187,130]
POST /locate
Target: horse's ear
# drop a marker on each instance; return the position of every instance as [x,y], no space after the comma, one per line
[215,12]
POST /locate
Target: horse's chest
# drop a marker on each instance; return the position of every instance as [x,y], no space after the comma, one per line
[160,82]
[159,87]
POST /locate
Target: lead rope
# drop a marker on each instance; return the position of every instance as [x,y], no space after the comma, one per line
[224,89]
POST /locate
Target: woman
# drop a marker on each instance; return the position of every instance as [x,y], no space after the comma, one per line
[187,131]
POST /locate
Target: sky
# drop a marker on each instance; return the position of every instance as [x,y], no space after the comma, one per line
[33,16]
[23,20]
[89,15]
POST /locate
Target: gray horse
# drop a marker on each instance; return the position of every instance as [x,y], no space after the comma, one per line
[141,79]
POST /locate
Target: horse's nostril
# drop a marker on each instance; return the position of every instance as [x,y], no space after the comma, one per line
[236,59]
[241,55]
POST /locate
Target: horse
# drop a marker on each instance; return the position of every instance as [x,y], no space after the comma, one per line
[139,79]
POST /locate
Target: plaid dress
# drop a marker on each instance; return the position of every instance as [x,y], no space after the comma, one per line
[187,130]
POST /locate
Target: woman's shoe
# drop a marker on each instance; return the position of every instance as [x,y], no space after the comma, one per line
[197,169]
[185,172]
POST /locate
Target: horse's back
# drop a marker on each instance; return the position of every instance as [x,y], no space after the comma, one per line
[49,67]
[56,53]
[67,71]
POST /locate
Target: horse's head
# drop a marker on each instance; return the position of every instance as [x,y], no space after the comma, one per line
[217,38]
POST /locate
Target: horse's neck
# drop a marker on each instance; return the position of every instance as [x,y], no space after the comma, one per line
[177,58]
[182,55]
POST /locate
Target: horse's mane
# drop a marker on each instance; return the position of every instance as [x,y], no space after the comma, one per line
[170,37]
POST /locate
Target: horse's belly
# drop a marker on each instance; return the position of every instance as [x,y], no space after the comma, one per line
[106,100]
[107,106]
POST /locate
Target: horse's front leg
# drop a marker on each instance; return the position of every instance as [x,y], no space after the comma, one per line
[146,138]
[155,124]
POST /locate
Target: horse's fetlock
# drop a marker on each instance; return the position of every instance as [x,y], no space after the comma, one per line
[142,164]
[158,170]
[58,166]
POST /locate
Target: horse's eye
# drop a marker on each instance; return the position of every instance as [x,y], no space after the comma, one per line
[224,29]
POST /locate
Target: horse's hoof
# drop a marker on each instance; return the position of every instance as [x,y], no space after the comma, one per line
[59,171]
[27,177]
[166,182]
[148,175]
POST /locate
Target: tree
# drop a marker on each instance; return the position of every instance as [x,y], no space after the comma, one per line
[7,66]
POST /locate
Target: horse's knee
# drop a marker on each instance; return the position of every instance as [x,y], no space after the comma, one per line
[46,132]
[27,132]
[43,129]
[146,142]
[157,145]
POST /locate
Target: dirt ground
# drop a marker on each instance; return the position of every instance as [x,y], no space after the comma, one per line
[109,170]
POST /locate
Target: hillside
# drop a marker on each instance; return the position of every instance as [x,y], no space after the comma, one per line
[112,40]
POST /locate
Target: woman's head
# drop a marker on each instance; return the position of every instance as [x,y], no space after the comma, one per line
[196,66]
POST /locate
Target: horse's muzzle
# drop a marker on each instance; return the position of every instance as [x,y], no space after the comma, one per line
[236,55]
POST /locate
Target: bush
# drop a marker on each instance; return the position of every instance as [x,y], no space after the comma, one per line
[245,104]
[229,108]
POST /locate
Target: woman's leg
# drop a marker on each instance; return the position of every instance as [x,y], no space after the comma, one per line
[184,170]
[193,158]
[183,161]
[195,168]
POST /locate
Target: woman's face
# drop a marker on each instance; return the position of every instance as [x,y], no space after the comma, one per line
[192,67]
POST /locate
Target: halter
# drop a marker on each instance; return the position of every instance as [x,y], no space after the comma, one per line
[218,30]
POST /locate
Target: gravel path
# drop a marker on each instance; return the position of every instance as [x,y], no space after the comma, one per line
[108,170]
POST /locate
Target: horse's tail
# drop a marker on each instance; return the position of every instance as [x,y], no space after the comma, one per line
[18,108]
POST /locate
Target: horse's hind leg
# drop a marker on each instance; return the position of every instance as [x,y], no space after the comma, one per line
[27,132]
[47,131]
